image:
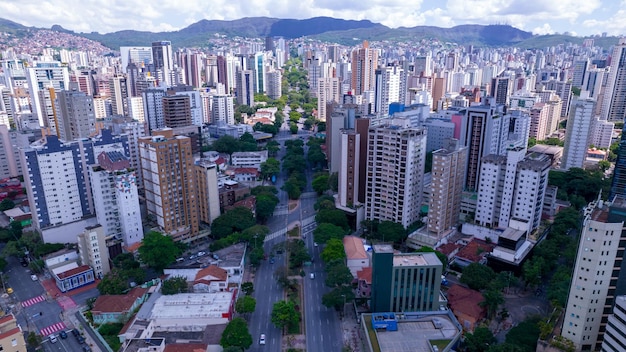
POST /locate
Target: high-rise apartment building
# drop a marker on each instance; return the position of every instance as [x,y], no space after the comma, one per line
[245,87]
[205,173]
[163,62]
[395,170]
[408,282]
[10,143]
[618,183]
[167,168]
[598,274]
[223,111]
[578,132]
[539,121]
[512,187]
[328,92]
[501,89]
[564,91]
[119,95]
[390,87]
[176,110]
[153,108]
[115,197]
[446,187]
[45,79]
[93,251]
[614,104]
[349,171]
[364,65]
[274,84]
[141,56]
[75,115]
[615,336]
[57,181]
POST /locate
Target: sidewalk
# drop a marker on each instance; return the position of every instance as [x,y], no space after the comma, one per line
[351,330]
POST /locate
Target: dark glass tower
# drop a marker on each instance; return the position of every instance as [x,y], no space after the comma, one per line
[618,185]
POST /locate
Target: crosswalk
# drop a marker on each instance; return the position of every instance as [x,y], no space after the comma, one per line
[52,329]
[34,300]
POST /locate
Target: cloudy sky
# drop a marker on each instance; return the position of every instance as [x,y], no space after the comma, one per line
[579,17]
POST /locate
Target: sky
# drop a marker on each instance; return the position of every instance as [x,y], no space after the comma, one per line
[578,17]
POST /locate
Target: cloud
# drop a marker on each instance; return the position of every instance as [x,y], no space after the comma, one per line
[545,29]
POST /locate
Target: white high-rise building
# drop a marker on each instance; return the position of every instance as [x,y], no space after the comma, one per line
[163,62]
[93,250]
[390,87]
[223,110]
[328,91]
[45,79]
[274,84]
[512,187]
[395,170]
[75,115]
[135,106]
[578,132]
[116,201]
[153,108]
[596,276]
[601,134]
[614,339]
[614,104]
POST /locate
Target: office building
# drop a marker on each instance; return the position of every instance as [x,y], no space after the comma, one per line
[167,167]
[274,84]
[163,62]
[176,110]
[404,282]
[598,276]
[501,89]
[119,95]
[115,197]
[93,251]
[45,79]
[578,132]
[245,87]
[57,183]
[614,104]
[395,170]
[141,56]
[615,336]
[364,64]
[75,115]
[618,183]
[512,187]
[448,169]
[205,173]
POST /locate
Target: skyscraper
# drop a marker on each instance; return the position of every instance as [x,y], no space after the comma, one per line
[390,87]
[364,64]
[274,84]
[614,339]
[45,79]
[328,92]
[153,108]
[205,173]
[163,62]
[614,104]
[245,87]
[167,167]
[176,110]
[120,95]
[395,169]
[618,183]
[448,169]
[578,131]
[75,115]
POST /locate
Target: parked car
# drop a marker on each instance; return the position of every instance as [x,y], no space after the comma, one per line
[262,340]
[62,334]
[33,277]
[201,253]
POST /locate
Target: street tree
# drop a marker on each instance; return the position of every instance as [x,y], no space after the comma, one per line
[236,334]
[175,285]
[389,231]
[255,235]
[226,144]
[479,340]
[525,334]
[272,147]
[125,261]
[158,251]
[320,184]
[325,231]
[477,276]
[492,299]
[270,167]
[256,255]
[333,216]
[337,297]
[3,264]
[247,287]
[234,220]
[333,250]
[284,314]
[338,274]
[245,305]
[298,253]
[265,205]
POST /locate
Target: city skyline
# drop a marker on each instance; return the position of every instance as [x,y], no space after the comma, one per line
[578,17]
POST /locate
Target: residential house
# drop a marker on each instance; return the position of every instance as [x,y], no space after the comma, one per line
[118,308]
[211,279]
[465,304]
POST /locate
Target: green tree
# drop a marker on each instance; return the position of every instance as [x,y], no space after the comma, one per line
[337,297]
[272,147]
[324,232]
[270,167]
[333,181]
[33,339]
[247,287]
[265,206]
[332,216]
[226,144]
[532,270]
[6,204]
[292,189]
[256,255]
[3,264]
[125,261]
[293,128]
[234,220]
[320,184]
[233,349]
[112,284]
[284,314]
[525,334]
[479,340]
[477,276]
[333,250]
[604,165]
[389,231]
[174,285]
[338,274]
[15,229]
[247,143]
[158,251]
[298,254]
[245,305]
[492,299]
[505,347]
[442,257]
[236,334]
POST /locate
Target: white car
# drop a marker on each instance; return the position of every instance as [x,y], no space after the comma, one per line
[33,277]
[53,338]
[201,253]
[262,340]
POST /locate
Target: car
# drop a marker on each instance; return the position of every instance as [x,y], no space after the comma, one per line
[62,334]
[201,253]
[180,260]
[272,261]
[75,332]
[33,277]
[53,338]
[315,244]
[80,339]
[86,348]
[312,276]
[262,339]
[192,257]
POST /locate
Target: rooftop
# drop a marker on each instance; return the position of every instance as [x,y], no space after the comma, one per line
[353,247]
[512,234]
[416,259]
[414,335]
[192,305]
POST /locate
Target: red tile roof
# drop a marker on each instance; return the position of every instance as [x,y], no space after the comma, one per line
[203,276]
[12,332]
[6,318]
[463,300]
[247,170]
[365,274]
[475,250]
[81,269]
[448,248]
[118,303]
[353,247]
